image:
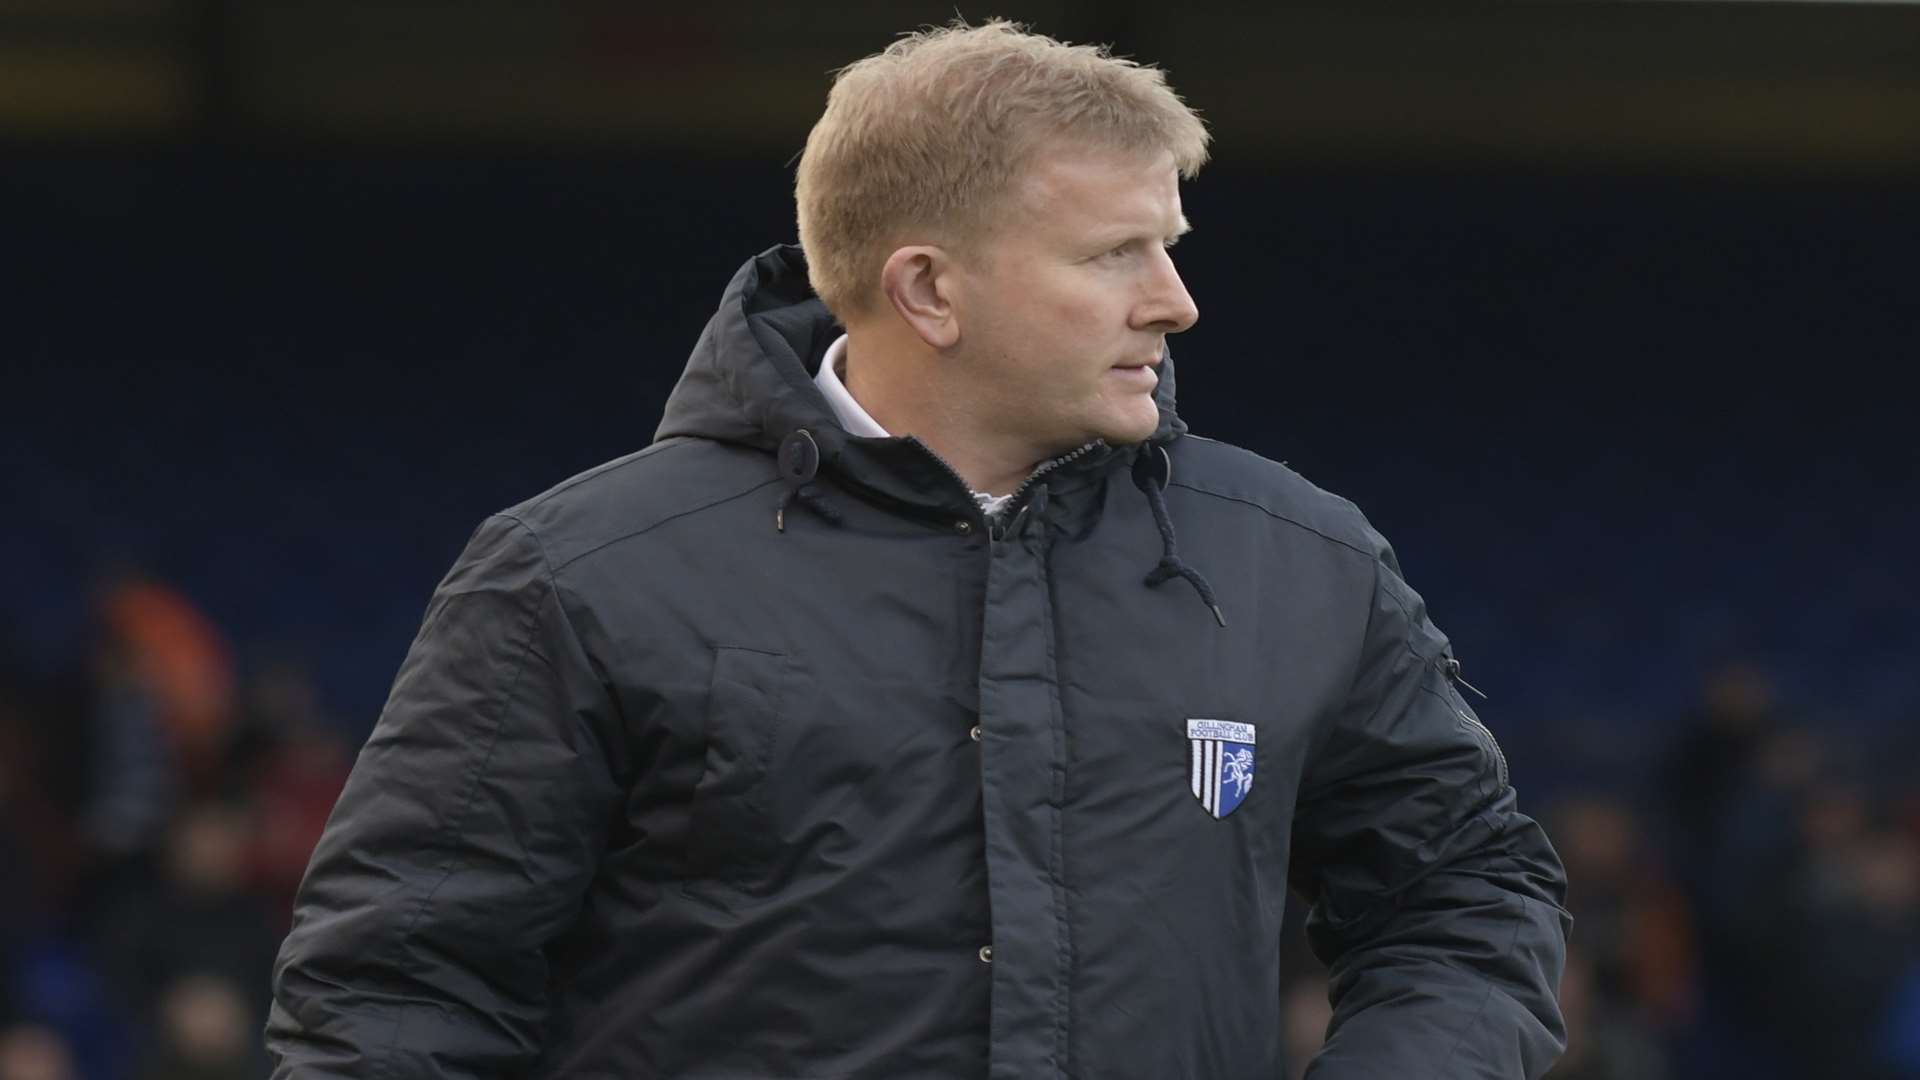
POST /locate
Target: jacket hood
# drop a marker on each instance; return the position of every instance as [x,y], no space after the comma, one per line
[750,378]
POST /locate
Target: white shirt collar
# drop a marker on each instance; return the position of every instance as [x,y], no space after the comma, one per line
[857,421]
[848,411]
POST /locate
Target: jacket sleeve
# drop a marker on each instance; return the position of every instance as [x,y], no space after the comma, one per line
[462,844]
[1437,906]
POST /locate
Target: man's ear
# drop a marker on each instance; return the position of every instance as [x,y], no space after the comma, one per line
[919,282]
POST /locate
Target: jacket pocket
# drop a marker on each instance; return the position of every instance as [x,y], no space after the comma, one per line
[732,835]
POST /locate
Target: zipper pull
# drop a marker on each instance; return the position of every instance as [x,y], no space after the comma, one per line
[1452,667]
[1004,524]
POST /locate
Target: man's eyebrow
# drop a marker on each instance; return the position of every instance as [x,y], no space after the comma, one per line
[1147,236]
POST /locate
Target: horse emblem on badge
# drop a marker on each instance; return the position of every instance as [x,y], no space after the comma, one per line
[1222,767]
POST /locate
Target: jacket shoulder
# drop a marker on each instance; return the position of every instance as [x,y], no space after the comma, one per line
[631,495]
[1263,485]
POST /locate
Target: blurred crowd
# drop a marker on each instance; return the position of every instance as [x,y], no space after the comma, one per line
[1752,908]
[157,807]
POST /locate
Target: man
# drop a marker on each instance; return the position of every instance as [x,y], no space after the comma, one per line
[859,726]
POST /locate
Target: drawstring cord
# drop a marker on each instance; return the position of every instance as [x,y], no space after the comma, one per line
[1151,481]
[799,462]
[812,498]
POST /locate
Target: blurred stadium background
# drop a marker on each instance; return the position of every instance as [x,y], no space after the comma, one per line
[1604,312]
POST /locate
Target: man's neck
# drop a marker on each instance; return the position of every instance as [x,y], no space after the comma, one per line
[925,409]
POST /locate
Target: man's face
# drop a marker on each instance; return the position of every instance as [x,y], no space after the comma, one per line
[1066,304]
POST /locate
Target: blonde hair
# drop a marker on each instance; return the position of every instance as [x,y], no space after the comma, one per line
[930,134]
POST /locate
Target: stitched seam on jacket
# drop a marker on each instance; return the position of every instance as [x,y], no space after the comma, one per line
[603,545]
[604,469]
[511,683]
[560,606]
[1301,525]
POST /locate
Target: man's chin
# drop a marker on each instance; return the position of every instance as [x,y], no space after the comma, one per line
[1134,425]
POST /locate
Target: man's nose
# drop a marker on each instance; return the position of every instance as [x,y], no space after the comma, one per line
[1168,308]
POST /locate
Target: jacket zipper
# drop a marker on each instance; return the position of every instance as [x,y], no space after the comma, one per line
[1499,755]
[1451,668]
[1014,506]
[1048,466]
[1453,672]
[951,471]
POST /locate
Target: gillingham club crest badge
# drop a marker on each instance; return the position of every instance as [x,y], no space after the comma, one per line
[1222,767]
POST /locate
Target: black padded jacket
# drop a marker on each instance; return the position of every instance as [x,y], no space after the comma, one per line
[763,753]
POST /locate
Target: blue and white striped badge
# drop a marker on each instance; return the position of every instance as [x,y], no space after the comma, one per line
[1222,764]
